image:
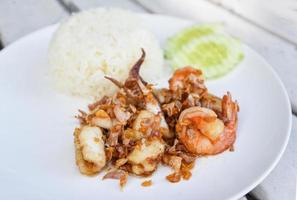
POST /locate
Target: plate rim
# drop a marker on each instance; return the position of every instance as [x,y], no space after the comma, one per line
[269,67]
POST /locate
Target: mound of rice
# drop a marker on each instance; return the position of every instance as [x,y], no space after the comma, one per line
[94,43]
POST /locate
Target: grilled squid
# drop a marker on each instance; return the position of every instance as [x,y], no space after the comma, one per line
[89,150]
[139,92]
[146,156]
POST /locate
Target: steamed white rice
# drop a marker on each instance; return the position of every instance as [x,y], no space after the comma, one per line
[92,44]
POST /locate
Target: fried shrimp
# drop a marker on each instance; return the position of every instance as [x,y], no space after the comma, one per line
[139,127]
[188,80]
[203,133]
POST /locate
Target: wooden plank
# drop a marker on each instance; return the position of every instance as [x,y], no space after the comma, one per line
[125,4]
[281,55]
[18,18]
[279,17]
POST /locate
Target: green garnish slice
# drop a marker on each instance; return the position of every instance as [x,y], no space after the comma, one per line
[204,47]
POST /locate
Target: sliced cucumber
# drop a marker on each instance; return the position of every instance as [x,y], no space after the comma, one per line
[215,54]
[185,36]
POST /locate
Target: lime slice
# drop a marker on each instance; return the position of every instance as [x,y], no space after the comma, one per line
[213,52]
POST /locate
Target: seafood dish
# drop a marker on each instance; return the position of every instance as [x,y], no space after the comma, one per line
[141,127]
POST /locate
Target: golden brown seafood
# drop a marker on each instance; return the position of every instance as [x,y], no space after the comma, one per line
[146,155]
[89,149]
[139,127]
[188,80]
[203,133]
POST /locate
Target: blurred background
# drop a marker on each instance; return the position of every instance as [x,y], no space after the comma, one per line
[268,26]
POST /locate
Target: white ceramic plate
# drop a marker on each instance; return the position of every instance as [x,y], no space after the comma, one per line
[37,151]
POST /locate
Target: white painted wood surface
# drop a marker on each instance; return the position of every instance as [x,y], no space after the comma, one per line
[19,17]
[86,4]
[279,17]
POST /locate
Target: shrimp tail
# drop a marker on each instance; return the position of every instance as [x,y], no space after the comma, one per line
[229,109]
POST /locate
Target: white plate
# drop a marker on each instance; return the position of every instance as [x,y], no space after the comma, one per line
[37,152]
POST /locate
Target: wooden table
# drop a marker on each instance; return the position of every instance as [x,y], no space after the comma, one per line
[268,26]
